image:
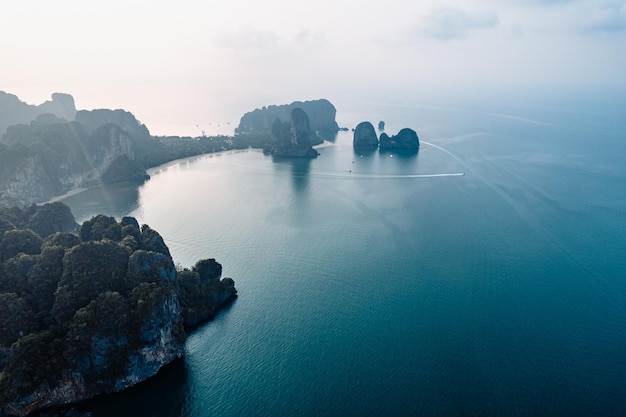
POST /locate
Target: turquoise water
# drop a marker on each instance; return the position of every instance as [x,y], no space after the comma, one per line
[484,275]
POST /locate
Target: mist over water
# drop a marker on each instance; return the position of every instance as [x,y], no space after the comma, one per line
[383,283]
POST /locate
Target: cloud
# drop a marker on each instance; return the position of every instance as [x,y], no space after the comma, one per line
[448,23]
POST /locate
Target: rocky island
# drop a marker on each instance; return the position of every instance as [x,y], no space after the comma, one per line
[91,309]
[405,139]
[365,138]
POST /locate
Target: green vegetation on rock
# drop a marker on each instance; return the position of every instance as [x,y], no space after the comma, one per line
[91,310]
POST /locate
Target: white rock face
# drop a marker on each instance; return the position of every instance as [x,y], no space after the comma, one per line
[28,181]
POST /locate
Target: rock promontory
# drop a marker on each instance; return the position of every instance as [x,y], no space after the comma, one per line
[93,309]
[293,138]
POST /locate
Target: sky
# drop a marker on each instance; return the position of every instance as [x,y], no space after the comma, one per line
[188,65]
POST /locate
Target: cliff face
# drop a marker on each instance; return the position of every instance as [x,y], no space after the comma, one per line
[24,179]
[50,156]
[321,115]
[49,149]
[90,375]
[293,138]
[94,312]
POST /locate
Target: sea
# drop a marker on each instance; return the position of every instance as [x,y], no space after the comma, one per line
[484,275]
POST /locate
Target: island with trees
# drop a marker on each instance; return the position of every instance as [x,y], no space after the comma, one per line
[365,137]
[91,309]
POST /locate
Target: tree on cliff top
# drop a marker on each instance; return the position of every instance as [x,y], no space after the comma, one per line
[83,305]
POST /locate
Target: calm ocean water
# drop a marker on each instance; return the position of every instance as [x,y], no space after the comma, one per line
[484,275]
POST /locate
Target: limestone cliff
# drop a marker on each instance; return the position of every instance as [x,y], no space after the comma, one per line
[321,115]
[94,312]
[365,136]
[293,138]
[405,139]
[50,157]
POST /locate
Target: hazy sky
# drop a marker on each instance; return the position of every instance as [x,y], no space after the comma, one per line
[178,64]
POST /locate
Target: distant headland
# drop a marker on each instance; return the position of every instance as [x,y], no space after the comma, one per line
[321,114]
[290,130]
[51,149]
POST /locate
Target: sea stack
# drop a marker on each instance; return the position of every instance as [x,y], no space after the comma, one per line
[365,136]
[405,139]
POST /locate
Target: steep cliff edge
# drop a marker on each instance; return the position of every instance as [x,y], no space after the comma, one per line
[50,156]
[293,138]
[91,312]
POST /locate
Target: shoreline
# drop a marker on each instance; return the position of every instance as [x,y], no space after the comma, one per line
[201,155]
[70,193]
[324,144]
[155,169]
[168,164]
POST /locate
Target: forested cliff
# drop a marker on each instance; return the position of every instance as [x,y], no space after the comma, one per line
[50,149]
[91,309]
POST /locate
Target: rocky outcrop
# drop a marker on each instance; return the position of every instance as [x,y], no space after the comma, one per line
[365,136]
[321,115]
[405,139]
[293,138]
[202,283]
[94,312]
[148,151]
[49,157]
[93,119]
[14,111]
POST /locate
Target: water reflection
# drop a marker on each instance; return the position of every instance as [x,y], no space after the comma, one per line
[364,152]
[115,200]
[300,169]
[165,394]
[385,161]
[403,155]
